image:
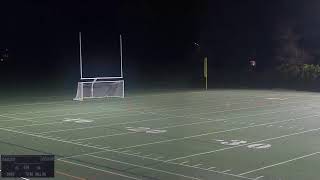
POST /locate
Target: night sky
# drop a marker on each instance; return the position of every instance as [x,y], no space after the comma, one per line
[42,36]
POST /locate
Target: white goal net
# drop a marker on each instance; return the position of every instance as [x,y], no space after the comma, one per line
[100,89]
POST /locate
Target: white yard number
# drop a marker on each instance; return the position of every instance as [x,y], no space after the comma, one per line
[146,130]
[240,142]
[77,120]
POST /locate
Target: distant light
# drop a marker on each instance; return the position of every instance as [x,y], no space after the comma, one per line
[196,44]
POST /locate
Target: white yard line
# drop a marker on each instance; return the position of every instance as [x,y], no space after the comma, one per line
[189,124]
[164,107]
[259,177]
[106,150]
[99,126]
[205,134]
[280,163]
[169,116]
[144,167]
[184,162]
[12,118]
[197,165]
[37,103]
[228,170]
[102,170]
[223,149]
[127,110]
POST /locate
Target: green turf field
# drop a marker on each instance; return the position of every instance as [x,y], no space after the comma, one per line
[196,135]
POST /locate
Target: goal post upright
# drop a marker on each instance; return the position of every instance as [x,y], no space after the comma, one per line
[121,65]
[205,71]
[80,54]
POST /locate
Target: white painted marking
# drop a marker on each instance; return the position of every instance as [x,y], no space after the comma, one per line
[122,175]
[222,149]
[105,150]
[211,168]
[126,151]
[139,121]
[184,162]
[197,165]
[259,146]
[205,134]
[252,124]
[155,131]
[136,153]
[97,137]
[276,98]
[148,155]
[33,112]
[280,163]
[233,142]
[90,127]
[301,129]
[168,127]
[144,167]
[138,129]
[228,170]
[259,177]
[71,119]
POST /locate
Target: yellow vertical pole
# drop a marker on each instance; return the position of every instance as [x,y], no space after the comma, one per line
[205,71]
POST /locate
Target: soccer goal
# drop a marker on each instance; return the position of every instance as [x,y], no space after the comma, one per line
[99,87]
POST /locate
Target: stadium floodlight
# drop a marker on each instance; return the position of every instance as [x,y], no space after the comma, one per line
[99,87]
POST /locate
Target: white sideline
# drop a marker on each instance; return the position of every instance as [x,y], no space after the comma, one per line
[205,134]
[167,117]
[182,125]
[280,163]
[102,170]
[144,167]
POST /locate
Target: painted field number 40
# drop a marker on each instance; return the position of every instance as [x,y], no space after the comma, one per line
[146,130]
[240,142]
